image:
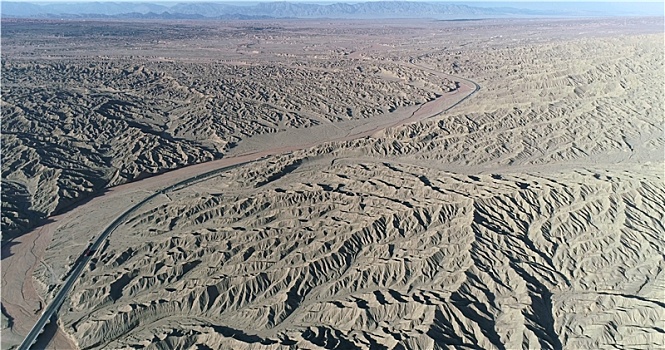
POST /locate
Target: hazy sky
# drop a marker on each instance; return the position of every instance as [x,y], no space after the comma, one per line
[334,1]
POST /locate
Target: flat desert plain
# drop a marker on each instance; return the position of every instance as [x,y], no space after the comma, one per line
[490,184]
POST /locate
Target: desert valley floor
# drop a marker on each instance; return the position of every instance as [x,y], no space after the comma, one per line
[490,184]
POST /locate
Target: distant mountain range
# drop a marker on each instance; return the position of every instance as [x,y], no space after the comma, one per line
[363,10]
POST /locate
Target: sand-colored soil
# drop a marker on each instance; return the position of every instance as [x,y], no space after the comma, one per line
[75,125]
[377,252]
[530,216]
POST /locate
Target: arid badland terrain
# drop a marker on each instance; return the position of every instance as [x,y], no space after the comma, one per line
[393,206]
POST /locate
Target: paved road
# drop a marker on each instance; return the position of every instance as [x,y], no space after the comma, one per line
[82,262]
[53,307]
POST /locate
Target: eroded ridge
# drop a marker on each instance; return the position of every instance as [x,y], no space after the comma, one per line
[75,124]
[531,217]
[381,254]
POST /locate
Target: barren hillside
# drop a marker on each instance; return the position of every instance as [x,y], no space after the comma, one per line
[76,124]
[530,216]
